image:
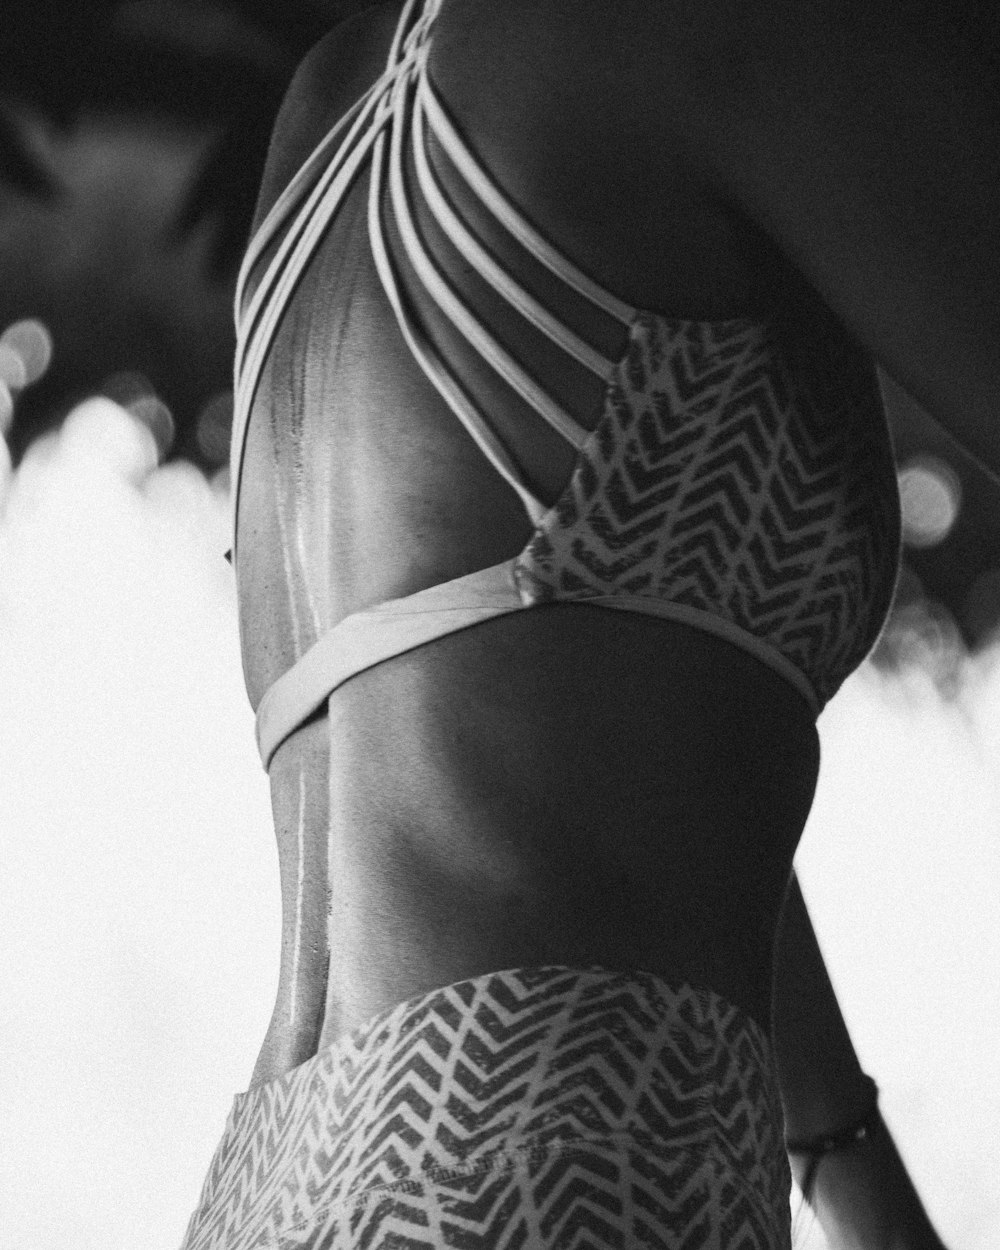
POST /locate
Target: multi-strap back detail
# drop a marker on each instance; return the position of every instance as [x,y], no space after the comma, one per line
[735,482]
[394,115]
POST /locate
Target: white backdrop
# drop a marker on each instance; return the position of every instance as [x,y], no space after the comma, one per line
[139,900]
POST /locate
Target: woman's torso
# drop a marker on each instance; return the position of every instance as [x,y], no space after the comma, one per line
[564,785]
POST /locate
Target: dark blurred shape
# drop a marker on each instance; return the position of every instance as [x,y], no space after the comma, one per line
[22,169]
[95,269]
[88,93]
[6,411]
[949,569]
[126,386]
[221,190]
[134,392]
[219,65]
[215,423]
[921,633]
[154,414]
[980,610]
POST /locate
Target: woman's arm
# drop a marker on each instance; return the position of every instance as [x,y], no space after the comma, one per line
[862,1194]
[864,137]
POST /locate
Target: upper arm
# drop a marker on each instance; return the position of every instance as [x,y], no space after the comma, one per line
[860,135]
[863,137]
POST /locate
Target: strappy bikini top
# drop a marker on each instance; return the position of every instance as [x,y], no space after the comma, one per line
[718,489]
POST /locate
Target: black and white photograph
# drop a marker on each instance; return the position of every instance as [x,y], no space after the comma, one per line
[500,625]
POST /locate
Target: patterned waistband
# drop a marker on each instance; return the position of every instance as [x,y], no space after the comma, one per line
[664,1094]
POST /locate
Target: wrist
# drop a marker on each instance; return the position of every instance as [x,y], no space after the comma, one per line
[836,1098]
[808,1152]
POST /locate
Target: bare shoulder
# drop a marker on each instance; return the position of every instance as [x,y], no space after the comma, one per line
[331,77]
[555,99]
[861,136]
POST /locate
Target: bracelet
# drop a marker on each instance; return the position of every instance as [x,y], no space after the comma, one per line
[823,1144]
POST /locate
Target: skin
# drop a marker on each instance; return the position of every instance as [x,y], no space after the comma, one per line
[862,1196]
[545,788]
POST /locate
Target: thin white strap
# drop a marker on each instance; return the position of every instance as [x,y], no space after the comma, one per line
[396,626]
[253,340]
[394,64]
[505,212]
[456,310]
[294,192]
[250,365]
[375,103]
[428,358]
[258,324]
[367,638]
[301,241]
[497,277]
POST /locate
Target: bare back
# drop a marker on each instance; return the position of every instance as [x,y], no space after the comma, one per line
[564,786]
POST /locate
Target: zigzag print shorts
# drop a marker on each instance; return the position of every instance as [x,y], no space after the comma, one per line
[533,1109]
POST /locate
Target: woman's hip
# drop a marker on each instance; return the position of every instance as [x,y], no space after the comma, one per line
[531,1108]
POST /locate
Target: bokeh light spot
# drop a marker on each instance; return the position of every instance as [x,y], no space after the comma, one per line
[31,340]
[157,418]
[930,497]
[214,428]
[127,387]
[101,433]
[134,392]
[13,370]
[924,636]
[6,407]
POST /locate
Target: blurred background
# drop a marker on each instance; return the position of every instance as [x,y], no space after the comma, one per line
[139,901]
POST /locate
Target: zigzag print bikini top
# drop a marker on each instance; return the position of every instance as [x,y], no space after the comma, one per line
[718,488]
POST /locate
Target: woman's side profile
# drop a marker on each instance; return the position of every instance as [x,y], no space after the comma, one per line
[564,501]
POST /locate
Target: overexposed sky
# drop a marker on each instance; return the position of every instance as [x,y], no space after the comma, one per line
[139,906]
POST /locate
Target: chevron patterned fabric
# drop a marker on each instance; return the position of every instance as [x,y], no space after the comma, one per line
[749,489]
[536,1107]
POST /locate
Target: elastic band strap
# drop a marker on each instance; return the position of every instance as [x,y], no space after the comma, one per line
[370,636]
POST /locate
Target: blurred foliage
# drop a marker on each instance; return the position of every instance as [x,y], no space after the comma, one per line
[140,289]
[220,65]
